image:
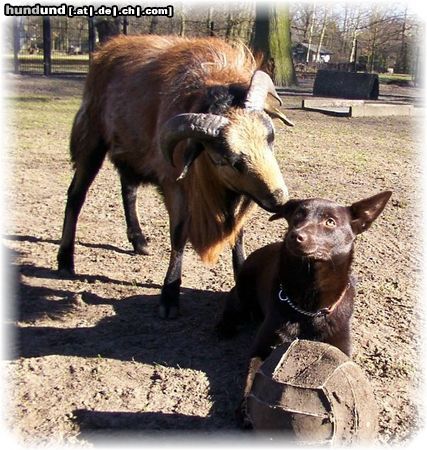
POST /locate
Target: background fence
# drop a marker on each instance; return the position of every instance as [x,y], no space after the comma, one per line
[63,45]
[51,45]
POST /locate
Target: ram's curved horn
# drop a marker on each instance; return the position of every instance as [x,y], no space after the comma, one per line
[190,125]
[261,85]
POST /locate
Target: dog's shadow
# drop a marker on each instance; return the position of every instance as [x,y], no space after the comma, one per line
[104,427]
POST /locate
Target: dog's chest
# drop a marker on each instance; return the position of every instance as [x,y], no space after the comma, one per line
[317,329]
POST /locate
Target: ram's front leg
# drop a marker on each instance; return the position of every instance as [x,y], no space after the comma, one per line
[238,254]
[169,299]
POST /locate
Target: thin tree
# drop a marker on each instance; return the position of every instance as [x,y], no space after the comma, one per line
[402,65]
[244,22]
[355,32]
[345,30]
[310,32]
[322,35]
[209,20]
[182,24]
[154,25]
[229,30]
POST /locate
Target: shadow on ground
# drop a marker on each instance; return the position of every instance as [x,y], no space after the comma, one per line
[134,333]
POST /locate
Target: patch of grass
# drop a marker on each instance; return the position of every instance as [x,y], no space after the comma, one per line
[83,59]
[394,78]
[39,125]
[45,112]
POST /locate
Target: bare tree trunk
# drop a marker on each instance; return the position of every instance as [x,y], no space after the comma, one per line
[209,20]
[67,43]
[272,38]
[229,27]
[260,36]
[310,34]
[306,23]
[250,28]
[354,37]
[241,24]
[373,48]
[182,22]
[402,65]
[154,25]
[171,26]
[80,36]
[345,30]
[322,35]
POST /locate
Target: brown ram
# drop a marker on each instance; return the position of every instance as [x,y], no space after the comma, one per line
[187,115]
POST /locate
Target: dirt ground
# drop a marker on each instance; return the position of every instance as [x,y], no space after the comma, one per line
[88,359]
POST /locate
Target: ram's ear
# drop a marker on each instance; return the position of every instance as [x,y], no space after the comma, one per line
[275,113]
[192,151]
[364,212]
[286,211]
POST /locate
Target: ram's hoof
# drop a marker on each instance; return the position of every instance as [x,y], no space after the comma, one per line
[66,274]
[140,244]
[65,266]
[141,249]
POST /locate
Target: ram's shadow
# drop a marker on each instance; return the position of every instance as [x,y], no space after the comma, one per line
[134,332]
[33,271]
[35,239]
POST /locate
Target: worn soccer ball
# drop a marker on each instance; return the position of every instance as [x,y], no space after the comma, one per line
[315,393]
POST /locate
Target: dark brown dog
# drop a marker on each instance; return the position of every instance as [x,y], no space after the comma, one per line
[302,287]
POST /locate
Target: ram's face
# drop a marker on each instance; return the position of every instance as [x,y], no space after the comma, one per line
[245,161]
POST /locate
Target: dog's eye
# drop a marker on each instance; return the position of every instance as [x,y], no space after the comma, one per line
[330,222]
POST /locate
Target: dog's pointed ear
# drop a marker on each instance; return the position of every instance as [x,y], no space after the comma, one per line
[285,211]
[364,212]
